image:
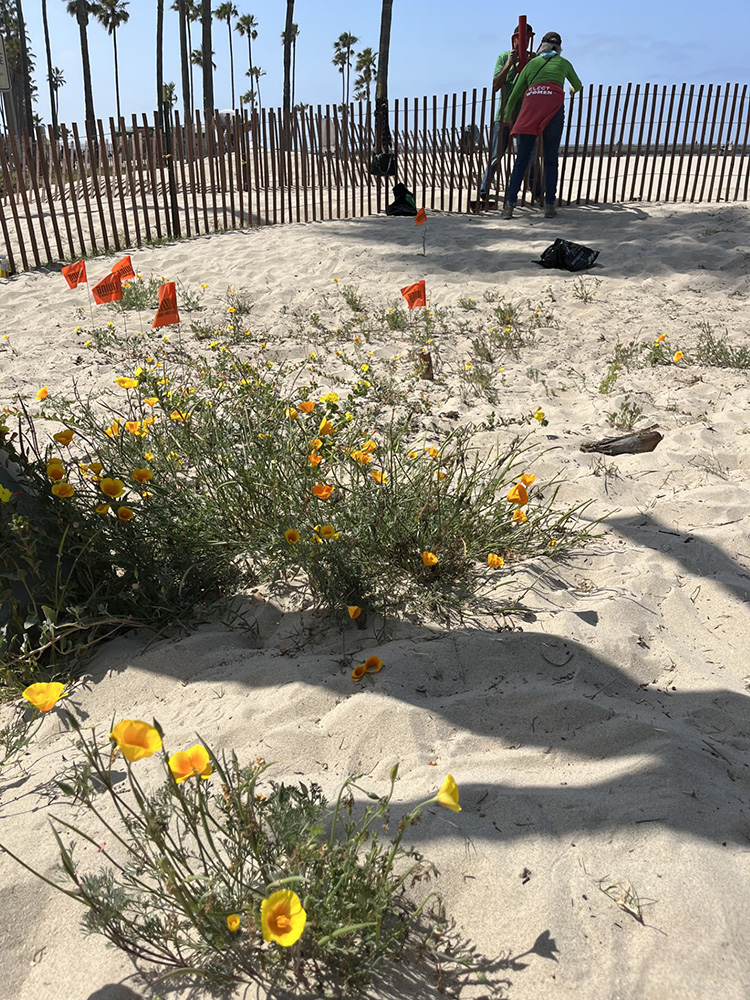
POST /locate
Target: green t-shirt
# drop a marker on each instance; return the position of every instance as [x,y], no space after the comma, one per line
[555,69]
[504,93]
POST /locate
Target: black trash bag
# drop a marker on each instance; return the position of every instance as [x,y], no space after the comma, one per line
[403,204]
[568,256]
[383,165]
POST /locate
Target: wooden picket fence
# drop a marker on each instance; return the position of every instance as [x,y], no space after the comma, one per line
[138,184]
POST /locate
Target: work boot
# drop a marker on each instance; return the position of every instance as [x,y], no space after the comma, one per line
[550,211]
[508,211]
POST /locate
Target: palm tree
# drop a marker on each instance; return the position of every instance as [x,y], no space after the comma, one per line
[288,58]
[225,12]
[255,73]
[365,65]
[52,91]
[181,7]
[160,62]
[206,60]
[80,10]
[27,65]
[111,14]
[382,132]
[343,59]
[247,25]
[57,80]
[295,33]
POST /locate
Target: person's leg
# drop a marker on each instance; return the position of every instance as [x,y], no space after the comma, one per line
[489,173]
[551,138]
[526,145]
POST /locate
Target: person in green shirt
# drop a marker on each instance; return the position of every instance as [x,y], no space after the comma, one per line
[540,85]
[504,78]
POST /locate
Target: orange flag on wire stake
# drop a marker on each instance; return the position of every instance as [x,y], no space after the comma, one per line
[167,314]
[420,217]
[415,294]
[124,268]
[75,274]
[109,289]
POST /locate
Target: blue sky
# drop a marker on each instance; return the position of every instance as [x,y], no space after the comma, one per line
[437,47]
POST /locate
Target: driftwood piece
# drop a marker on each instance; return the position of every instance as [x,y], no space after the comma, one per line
[425,367]
[645,439]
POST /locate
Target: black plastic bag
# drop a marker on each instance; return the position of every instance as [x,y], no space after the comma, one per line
[404,203]
[568,256]
[383,165]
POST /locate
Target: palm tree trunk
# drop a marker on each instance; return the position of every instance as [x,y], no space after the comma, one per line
[25,74]
[288,59]
[88,92]
[160,60]
[52,92]
[192,79]
[185,63]
[382,132]
[208,66]
[117,76]
[294,68]
[231,58]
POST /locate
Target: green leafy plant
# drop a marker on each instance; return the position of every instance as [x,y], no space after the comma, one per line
[626,416]
[585,289]
[219,874]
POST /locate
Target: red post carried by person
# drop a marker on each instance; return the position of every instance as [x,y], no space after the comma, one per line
[166,313]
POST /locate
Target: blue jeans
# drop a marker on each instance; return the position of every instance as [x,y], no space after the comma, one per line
[551,137]
[500,129]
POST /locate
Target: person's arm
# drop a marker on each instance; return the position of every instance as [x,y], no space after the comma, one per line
[501,73]
[518,91]
[575,83]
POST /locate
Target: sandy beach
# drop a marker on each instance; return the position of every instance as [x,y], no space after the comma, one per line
[601,742]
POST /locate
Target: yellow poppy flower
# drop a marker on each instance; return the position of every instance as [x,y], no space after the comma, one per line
[291,413]
[429,559]
[136,739]
[95,467]
[43,696]
[133,426]
[373,664]
[326,427]
[518,494]
[149,456]
[179,415]
[282,918]
[362,457]
[433,452]
[314,459]
[495,561]
[112,487]
[125,513]
[378,476]
[368,447]
[292,535]
[5,495]
[327,531]
[126,383]
[539,414]
[151,400]
[354,611]
[103,508]
[233,922]
[359,672]
[43,393]
[448,794]
[55,470]
[63,490]
[307,406]
[518,516]
[527,479]
[678,356]
[188,763]
[113,430]
[64,437]
[322,491]
[142,475]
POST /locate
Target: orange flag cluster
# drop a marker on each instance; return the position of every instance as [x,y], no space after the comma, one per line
[109,289]
[415,295]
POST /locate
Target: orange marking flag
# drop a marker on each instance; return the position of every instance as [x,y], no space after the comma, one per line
[420,217]
[109,289]
[415,294]
[124,268]
[74,274]
[167,313]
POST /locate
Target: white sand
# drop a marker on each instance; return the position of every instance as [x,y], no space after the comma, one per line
[608,739]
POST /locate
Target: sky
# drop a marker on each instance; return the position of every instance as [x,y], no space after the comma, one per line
[437,47]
